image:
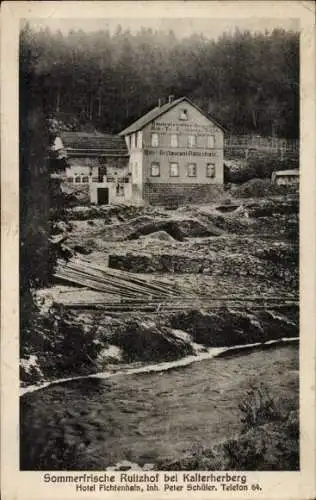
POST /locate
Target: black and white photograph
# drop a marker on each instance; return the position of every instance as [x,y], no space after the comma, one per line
[159,251]
[159,245]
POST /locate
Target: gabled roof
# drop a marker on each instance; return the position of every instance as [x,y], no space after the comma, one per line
[88,162]
[160,110]
[93,143]
[293,171]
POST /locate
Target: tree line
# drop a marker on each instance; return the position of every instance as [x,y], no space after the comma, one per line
[248,81]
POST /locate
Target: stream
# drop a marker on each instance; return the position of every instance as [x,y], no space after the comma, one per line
[158,410]
[200,353]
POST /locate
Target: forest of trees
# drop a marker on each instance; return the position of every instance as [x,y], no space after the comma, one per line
[248,81]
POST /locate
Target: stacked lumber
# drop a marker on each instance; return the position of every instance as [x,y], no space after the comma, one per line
[112,281]
[123,292]
[172,305]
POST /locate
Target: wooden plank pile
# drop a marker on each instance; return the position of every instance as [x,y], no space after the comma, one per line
[170,305]
[123,292]
[113,281]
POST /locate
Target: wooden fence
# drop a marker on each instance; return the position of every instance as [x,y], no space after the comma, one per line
[247,146]
[274,144]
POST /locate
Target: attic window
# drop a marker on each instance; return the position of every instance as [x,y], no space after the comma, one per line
[183,114]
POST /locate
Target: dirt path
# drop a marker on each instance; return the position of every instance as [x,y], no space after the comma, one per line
[92,424]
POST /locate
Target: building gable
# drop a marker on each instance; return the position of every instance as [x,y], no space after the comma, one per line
[161,111]
[184,118]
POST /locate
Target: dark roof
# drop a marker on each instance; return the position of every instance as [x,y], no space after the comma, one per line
[84,162]
[93,143]
[160,110]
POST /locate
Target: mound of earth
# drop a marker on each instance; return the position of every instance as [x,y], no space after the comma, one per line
[158,235]
[144,341]
[229,207]
[177,228]
[233,327]
[271,207]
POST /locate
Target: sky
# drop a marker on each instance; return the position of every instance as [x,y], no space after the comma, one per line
[211,28]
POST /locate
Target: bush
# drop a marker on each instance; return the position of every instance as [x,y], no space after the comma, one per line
[258,165]
[269,441]
[258,407]
[257,188]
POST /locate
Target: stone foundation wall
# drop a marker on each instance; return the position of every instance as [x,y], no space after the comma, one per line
[181,194]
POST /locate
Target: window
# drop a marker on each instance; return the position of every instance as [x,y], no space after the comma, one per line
[85,179]
[136,169]
[102,172]
[70,179]
[119,190]
[192,170]
[174,169]
[211,141]
[154,140]
[139,139]
[183,114]
[174,140]
[77,179]
[155,170]
[191,141]
[210,170]
[95,179]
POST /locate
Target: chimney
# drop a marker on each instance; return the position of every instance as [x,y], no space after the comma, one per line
[171,98]
[159,102]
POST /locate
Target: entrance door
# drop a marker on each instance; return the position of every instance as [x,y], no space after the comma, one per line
[103,196]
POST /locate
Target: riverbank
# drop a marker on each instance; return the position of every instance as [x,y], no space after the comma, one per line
[148,418]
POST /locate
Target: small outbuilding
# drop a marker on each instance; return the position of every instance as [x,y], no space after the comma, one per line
[286,177]
[95,164]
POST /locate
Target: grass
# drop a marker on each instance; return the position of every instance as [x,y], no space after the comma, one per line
[258,407]
[269,440]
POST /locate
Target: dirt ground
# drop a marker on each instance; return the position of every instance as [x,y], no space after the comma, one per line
[204,249]
[241,255]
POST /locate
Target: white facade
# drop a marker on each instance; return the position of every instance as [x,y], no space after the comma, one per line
[286,177]
[177,148]
[117,192]
[117,183]
[102,176]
